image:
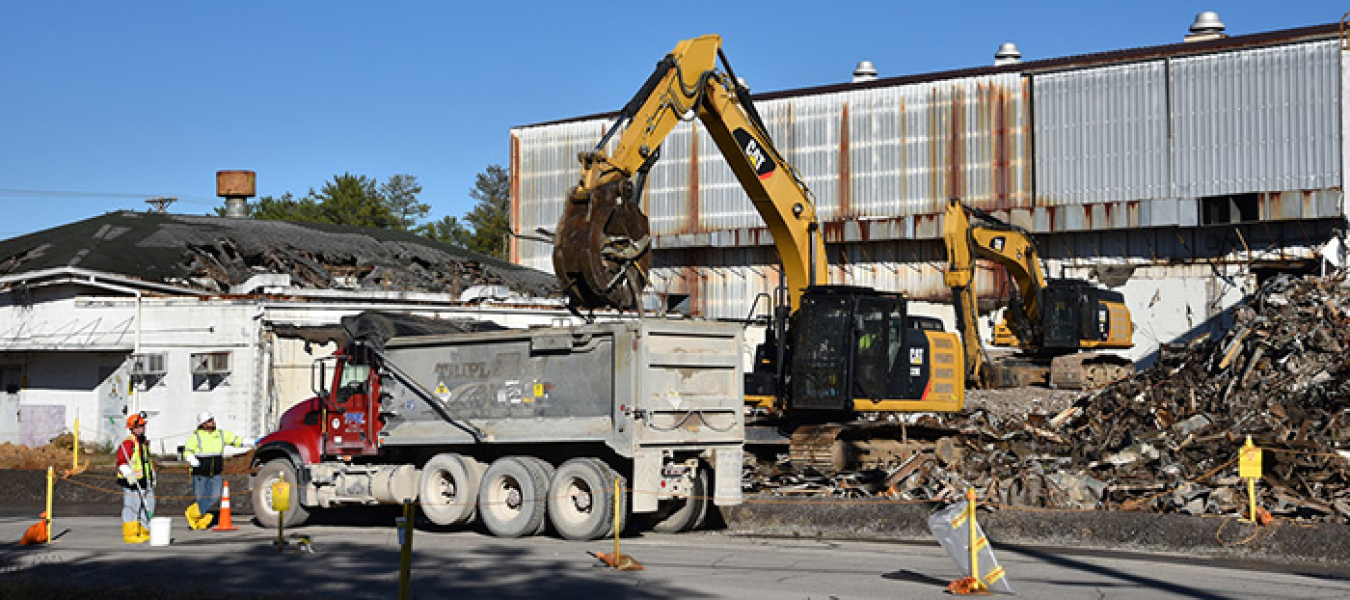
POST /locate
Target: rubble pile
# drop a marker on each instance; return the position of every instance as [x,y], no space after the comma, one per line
[1166,439]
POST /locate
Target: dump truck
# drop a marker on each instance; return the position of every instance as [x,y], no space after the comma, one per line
[522,429]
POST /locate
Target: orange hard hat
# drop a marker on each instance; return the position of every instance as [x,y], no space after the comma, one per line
[136,420]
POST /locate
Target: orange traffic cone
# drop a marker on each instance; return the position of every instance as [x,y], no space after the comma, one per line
[226,524]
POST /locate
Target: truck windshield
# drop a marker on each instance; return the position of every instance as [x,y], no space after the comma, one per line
[354,377]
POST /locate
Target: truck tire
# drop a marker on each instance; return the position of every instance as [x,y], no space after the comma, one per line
[511,499]
[448,490]
[270,472]
[581,506]
[544,470]
[684,514]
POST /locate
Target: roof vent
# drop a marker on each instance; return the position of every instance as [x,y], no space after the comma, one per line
[865,71]
[1007,54]
[1207,26]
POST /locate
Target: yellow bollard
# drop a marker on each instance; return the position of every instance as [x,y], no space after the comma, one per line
[75,448]
[281,502]
[1249,468]
[51,480]
[617,490]
[974,540]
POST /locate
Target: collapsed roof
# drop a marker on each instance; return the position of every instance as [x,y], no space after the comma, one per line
[214,254]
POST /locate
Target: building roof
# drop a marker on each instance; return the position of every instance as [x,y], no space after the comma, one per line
[213,254]
[1220,44]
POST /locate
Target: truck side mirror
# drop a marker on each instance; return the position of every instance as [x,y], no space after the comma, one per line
[318,378]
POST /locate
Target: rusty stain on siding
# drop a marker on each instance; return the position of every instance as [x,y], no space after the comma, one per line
[845,170]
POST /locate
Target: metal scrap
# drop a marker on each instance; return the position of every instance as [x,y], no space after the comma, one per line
[1166,439]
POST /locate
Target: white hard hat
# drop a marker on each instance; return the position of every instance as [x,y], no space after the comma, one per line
[205,416]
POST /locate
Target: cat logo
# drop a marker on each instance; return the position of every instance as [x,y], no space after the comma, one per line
[755,153]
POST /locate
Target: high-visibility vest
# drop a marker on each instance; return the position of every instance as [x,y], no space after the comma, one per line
[209,448]
[140,462]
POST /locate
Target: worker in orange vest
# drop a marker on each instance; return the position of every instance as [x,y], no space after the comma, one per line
[136,475]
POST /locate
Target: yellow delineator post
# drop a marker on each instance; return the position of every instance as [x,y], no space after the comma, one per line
[281,502]
[974,542]
[75,448]
[1249,468]
[51,481]
[617,490]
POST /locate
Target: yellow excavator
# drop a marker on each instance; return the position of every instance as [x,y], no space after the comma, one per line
[1056,324]
[831,351]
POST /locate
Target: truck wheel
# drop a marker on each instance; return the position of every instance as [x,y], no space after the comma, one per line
[448,490]
[511,499]
[271,472]
[581,506]
[544,471]
[684,514]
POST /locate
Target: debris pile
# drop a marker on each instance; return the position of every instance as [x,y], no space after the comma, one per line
[1166,439]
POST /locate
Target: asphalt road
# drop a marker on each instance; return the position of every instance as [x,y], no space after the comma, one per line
[362,560]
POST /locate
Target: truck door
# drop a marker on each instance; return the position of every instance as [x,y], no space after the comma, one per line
[350,429]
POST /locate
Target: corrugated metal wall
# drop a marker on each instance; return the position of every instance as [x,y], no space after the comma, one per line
[1101,135]
[1265,119]
[1123,154]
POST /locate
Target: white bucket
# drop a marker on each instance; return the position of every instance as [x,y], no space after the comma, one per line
[160,531]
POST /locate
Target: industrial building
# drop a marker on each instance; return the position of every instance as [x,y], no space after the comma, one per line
[1180,175]
[174,314]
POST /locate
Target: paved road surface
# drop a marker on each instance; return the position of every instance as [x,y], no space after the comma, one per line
[361,561]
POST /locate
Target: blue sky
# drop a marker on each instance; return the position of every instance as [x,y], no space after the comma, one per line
[104,104]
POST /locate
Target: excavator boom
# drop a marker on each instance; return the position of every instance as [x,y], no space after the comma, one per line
[602,244]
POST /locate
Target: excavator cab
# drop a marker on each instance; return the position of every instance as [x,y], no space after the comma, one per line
[1078,314]
[858,349]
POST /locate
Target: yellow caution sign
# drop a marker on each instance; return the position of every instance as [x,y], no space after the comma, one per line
[1249,461]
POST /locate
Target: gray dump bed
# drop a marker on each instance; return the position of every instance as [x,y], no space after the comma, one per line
[634,385]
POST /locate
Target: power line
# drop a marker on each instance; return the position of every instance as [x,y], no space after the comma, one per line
[17,193]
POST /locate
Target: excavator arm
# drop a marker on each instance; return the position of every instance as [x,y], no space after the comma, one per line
[602,243]
[1010,246]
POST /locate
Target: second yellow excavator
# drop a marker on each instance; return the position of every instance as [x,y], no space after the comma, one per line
[1057,324]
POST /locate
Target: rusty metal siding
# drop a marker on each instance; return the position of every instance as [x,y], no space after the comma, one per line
[1263,119]
[544,167]
[1101,135]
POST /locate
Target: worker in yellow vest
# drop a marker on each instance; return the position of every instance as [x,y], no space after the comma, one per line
[205,453]
[136,475]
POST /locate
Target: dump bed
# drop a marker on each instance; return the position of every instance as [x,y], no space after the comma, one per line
[634,386]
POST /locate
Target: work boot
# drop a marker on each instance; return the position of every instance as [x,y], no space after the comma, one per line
[131,533]
[193,513]
[205,521]
[142,531]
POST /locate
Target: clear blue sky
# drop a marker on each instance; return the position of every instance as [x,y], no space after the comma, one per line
[103,104]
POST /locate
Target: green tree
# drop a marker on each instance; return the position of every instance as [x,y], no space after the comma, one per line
[400,194]
[285,208]
[353,200]
[448,230]
[348,200]
[486,225]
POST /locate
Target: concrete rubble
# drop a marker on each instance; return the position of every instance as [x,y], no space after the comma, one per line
[1164,440]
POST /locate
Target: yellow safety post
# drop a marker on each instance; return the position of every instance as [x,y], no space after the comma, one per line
[1249,468]
[405,559]
[281,502]
[51,482]
[75,448]
[618,560]
[974,539]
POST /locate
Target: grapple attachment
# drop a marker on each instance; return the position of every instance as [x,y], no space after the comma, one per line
[601,249]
